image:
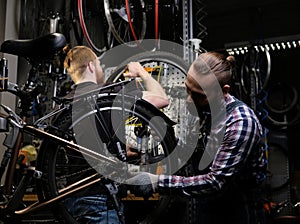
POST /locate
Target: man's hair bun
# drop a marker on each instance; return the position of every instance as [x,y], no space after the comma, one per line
[230,58]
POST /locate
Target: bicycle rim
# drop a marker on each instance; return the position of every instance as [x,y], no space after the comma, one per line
[262,66]
[91,16]
[171,73]
[127,21]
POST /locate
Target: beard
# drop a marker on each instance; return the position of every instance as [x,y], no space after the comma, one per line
[197,109]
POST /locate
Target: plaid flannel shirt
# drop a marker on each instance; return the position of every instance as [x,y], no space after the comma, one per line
[240,146]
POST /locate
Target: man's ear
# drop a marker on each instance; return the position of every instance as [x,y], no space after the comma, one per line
[91,66]
[226,88]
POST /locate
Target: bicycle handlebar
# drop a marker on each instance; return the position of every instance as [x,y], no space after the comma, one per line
[13,118]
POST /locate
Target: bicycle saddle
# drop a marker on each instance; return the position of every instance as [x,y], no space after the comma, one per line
[44,47]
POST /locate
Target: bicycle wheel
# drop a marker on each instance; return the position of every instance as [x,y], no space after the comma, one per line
[94,25]
[127,21]
[55,160]
[283,105]
[29,19]
[170,71]
[260,61]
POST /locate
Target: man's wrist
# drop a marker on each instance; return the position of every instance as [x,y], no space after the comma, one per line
[144,75]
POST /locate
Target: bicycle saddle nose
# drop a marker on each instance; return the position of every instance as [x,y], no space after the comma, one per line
[44,47]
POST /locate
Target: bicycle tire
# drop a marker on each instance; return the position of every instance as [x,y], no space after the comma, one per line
[289,219]
[284,112]
[78,33]
[52,160]
[262,66]
[127,22]
[163,57]
[278,176]
[29,19]
[91,16]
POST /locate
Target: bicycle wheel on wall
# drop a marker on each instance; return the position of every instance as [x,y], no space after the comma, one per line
[260,62]
[94,25]
[283,105]
[127,20]
[57,161]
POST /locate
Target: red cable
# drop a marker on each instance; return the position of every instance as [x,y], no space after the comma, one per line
[156,21]
[129,21]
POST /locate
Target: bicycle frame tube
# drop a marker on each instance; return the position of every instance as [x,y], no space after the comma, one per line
[12,164]
[42,134]
[73,189]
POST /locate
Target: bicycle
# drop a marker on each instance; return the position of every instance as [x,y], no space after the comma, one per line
[52,171]
[170,70]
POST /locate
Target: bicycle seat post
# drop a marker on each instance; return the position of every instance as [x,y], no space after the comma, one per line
[3,74]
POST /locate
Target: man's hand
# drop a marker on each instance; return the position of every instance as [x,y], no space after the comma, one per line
[154,92]
[143,184]
[135,69]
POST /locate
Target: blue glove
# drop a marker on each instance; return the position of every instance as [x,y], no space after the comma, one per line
[143,184]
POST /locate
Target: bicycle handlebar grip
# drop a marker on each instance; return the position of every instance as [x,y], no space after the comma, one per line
[3,74]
